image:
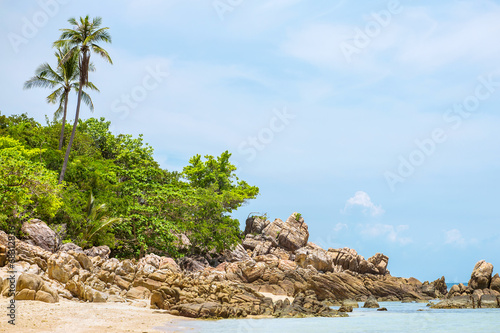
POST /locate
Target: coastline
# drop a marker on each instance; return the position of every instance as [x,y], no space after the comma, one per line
[78,317]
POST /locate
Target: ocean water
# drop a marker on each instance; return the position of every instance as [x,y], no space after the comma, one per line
[400,317]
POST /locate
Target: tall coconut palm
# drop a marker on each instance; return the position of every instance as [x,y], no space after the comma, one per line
[66,78]
[83,39]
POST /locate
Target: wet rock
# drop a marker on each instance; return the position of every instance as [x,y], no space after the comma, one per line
[372,303]
[351,303]
[382,309]
[344,308]
[457,302]
[488,301]
[305,305]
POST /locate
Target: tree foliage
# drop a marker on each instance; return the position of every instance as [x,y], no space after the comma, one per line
[155,206]
[27,187]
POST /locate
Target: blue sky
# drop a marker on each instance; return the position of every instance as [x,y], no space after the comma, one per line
[377,121]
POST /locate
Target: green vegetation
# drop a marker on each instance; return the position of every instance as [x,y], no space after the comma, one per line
[146,207]
[110,190]
[27,188]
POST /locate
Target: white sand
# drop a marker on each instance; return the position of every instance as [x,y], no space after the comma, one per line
[278,297]
[77,317]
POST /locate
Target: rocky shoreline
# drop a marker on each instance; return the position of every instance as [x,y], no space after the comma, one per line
[274,257]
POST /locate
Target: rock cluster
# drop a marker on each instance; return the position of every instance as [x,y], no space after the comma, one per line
[274,257]
[32,287]
[482,290]
[265,237]
[158,281]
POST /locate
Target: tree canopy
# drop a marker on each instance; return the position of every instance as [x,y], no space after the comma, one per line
[154,208]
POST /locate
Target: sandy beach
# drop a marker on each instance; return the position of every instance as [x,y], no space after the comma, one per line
[83,317]
[79,317]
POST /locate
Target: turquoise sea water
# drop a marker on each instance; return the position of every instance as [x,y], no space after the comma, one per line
[400,317]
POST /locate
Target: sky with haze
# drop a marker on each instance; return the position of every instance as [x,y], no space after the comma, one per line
[376,120]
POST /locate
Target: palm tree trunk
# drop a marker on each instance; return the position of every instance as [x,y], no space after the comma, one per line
[61,137]
[68,150]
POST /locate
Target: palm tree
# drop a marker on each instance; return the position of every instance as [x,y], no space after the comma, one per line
[97,222]
[66,78]
[82,40]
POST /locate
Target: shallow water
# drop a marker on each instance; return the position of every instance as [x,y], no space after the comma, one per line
[400,317]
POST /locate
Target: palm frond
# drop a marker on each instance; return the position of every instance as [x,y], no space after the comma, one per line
[87,100]
[39,82]
[45,71]
[97,21]
[72,21]
[102,52]
[101,35]
[91,86]
[59,112]
[56,95]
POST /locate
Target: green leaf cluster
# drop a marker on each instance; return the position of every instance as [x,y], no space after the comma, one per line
[115,193]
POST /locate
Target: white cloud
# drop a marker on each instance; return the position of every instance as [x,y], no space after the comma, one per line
[416,39]
[390,232]
[339,227]
[362,199]
[454,237]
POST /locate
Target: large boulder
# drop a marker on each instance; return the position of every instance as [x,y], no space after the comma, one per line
[62,266]
[193,264]
[138,293]
[102,251]
[255,224]
[236,254]
[32,287]
[372,303]
[495,283]
[440,286]
[489,301]
[481,275]
[39,234]
[291,234]
[457,302]
[259,245]
[305,305]
[313,255]
[70,247]
[31,254]
[380,261]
